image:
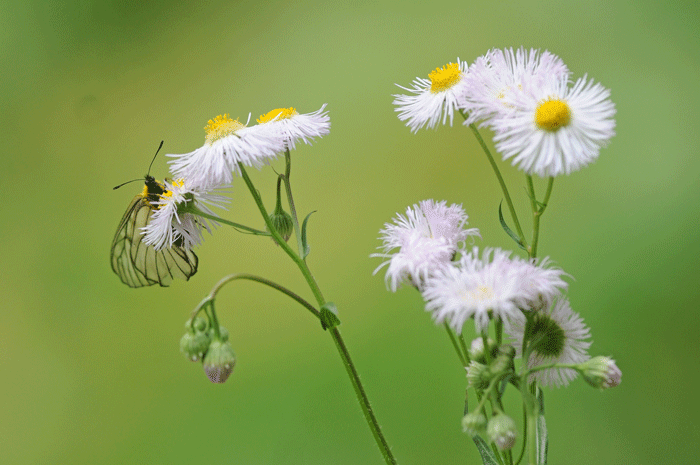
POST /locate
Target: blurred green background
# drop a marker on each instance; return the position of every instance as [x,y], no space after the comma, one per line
[91,369]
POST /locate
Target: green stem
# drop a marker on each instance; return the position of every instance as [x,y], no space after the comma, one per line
[280,241]
[196,211]
[463,343]
[226,279]
[492,161]
[290,199]
[450,333]
[335,334]
[362,397]
[537,212]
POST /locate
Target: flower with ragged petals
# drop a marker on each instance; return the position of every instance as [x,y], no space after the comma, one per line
[292,126]
[494,78]
[553,128]
[433,97]
[171,222]
[228,142]
[555,335]
[490,285]
[422,241]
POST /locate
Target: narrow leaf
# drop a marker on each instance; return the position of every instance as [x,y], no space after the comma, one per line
[542,439]
[485,451]
[304,243]
[507,229]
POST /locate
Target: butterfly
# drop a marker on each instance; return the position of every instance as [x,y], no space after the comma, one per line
[139,264]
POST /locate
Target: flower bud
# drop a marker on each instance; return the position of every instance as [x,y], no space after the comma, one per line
[219,361]
[223,333]
[476,350]
[504,360]
[478,375]
[283,223]
[502,431]
[601,372]
[200,324]
[194,345]
[474,423]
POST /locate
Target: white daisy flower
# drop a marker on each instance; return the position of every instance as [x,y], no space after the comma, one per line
[555,129]
[559,337]
[432,97]
[426,238]
[495,76]
[294,126]
[541,282]
[168,225]
[228,143]
[478,288]
[494,285]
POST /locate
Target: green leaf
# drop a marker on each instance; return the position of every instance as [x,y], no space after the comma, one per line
[485,451]
[329,316]
[542,440]
[507,229]
[304,243]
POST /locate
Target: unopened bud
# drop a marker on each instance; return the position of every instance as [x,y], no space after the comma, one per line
[601,372]
[502,431]
[474,423]
[219,361]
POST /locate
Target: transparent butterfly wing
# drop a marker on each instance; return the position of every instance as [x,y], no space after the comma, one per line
[138,264]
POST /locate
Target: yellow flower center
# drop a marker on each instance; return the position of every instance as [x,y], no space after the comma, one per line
[284,113]
[552,114]
[443,78]
[221,126]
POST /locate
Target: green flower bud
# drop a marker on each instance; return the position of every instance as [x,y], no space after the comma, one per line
[502,431]
[200,324]
[474,423]
[223,333]
[194,345]
[504,360]
[478,375]
[476,350]
[283,223]
[601,372]
[219,361]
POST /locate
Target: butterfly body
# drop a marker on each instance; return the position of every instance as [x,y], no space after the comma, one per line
[139,264]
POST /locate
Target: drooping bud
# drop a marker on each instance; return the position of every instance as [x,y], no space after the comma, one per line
[502,431]
[219,361]
[474,423]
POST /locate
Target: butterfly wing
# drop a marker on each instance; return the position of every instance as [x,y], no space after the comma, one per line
[138,264]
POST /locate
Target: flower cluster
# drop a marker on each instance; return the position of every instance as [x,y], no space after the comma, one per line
[205,173]
[546,125]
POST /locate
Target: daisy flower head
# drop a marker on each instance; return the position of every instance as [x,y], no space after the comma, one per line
[432,97]
[555,129]
[481,287]
[228,142]
[540,282]
[493,79]
[427,238]
[293,126]
[556,335]
[171,223]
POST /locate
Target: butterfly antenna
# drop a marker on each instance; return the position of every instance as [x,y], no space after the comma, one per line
[120,185]
[154,158]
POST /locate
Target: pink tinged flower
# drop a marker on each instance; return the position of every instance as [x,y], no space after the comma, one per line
[421,242]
